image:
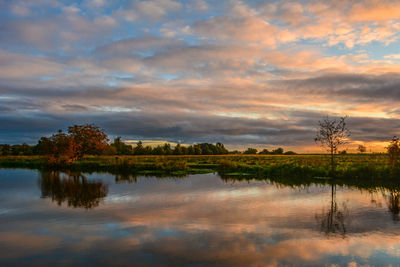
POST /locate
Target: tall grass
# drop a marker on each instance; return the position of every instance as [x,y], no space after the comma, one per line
[302,166]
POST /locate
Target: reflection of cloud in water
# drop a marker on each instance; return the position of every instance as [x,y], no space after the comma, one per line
[203,220]
[121,199]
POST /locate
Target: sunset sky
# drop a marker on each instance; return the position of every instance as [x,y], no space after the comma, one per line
[244,73]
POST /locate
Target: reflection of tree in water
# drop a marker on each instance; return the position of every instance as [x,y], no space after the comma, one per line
[333,221]
[125,178]
[393,202]
[72,188]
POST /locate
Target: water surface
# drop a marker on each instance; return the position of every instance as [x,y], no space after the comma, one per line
[49,218]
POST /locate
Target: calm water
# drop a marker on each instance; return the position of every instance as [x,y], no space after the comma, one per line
[101,219]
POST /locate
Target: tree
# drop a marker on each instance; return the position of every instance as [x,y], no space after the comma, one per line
[361,149]
[26,149]
[6,150]
[206,149]
[139,149]
[89,139]
[167,149]
[221,150]
[278,151]
[178,150]
[197,149]
[332,133]
[394,152]
[60,148]
[121,148]
[158,150]
[250,151]
[148,150]
[64,148]
[264,152]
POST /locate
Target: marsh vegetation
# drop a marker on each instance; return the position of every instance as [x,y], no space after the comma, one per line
[86,148]
[354,168]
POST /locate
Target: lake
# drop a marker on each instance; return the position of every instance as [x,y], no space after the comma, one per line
[50,218]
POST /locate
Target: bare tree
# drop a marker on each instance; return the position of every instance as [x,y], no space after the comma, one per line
[332,133]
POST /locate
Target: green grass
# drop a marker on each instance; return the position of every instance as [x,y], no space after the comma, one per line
[354,168]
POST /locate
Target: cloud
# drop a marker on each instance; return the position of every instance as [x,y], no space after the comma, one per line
[349,23]
[96,3]
[19,66]
[357,86]
[20,10]
[240,72]
[137,45]
[243,25]
[58,32]
[198,5]
[376,11]
[393,56]
[153,10]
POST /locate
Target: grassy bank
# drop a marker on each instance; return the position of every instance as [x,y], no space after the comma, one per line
[359,170]
[355,167]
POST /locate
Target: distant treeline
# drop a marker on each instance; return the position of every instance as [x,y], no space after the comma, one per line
[91,140]
[18,150]
[118,147]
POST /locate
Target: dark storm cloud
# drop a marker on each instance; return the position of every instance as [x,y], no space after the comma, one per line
[189,128]
[156,126]
[75,108]
[356,86]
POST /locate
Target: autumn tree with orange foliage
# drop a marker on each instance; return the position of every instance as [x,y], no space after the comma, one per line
[88,138]
[81,140]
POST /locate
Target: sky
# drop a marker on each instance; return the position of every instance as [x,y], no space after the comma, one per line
[244,73]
